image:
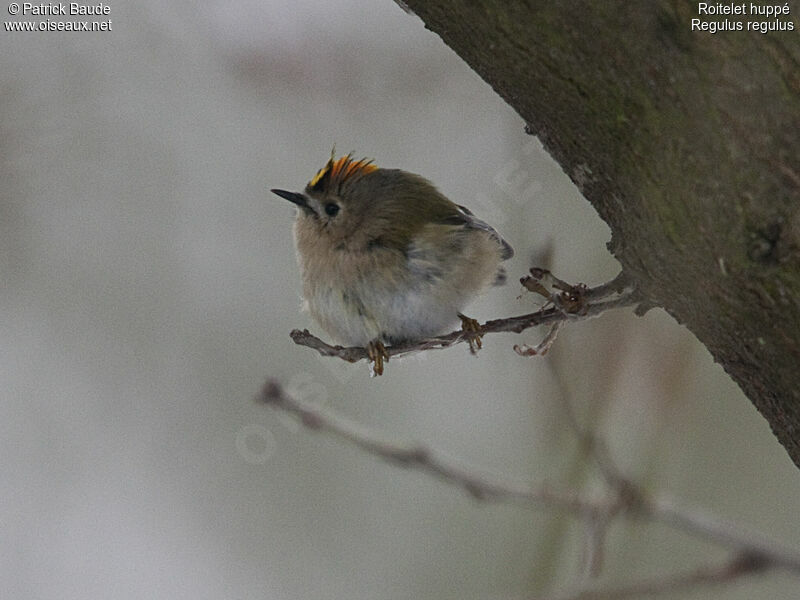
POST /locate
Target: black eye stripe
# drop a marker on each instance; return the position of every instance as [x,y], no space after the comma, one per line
[331,209]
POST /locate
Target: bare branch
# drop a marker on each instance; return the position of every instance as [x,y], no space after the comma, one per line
[592,444]
[627,500]
[736,567]
[572,303]
[542,347]
[595,532]
[698,523]
[480,486]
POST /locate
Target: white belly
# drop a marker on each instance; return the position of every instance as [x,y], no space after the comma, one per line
[364,313]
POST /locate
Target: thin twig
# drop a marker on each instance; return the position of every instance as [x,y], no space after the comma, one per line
[595,531]
[738,566]
[633,503]
[542,347]
[594,446]
[479,485]
[591,443]
[592,302]
[696,522]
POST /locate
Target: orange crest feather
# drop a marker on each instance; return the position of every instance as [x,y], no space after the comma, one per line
[336,172]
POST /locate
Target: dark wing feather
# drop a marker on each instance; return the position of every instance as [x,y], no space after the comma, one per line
[465,218]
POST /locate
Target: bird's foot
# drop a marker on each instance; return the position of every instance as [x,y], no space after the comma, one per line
[473,333]
[376,352]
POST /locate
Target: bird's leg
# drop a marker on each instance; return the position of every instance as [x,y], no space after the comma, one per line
[377,354]
[473,333]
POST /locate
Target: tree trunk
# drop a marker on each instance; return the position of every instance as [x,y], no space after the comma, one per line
[688,145]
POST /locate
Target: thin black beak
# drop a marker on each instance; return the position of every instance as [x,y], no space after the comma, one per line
[294,197]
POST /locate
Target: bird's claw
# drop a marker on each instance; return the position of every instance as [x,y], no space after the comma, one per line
[473,333]
[376,352]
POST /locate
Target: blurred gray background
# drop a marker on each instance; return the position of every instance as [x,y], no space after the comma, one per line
[148,285]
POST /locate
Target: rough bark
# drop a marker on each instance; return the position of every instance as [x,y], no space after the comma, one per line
[688,145]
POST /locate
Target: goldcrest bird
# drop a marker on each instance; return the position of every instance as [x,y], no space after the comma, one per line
[386,258]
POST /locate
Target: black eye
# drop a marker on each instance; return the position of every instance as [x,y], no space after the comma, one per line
[331,209]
